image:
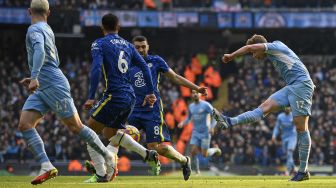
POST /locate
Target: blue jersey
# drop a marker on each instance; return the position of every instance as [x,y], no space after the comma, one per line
[157,66]
[287,63]
[113,56]
[43,56]
[285,125]
[200,114]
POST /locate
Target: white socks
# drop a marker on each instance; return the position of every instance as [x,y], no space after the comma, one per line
[128,142]
[98,161]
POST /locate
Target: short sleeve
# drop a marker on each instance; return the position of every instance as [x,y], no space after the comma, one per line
[163,66]
[208,107]
[275,46]
[35,37]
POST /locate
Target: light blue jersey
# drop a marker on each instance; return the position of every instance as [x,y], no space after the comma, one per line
[54,91]
[43,56]
[287,63]
[285,126]
[199,113]
[299,90]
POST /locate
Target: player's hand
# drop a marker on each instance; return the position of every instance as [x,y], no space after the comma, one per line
[33,85]
[25,82]
[227,57]
[89,104]
[274,140]
[203,91]
[180,125]
[150,99]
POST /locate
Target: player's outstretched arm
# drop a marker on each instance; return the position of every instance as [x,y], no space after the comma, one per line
[177,79]
[242,51]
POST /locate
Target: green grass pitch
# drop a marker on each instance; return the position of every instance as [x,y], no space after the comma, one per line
[172,182]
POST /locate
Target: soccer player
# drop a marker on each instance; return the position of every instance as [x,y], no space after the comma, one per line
[285,125]
[148,118]
[200,113]
[112,58]
[297,94]
[50,90]
[151,119]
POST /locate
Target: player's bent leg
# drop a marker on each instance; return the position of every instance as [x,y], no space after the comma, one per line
[304,144]
[126,141]
[169,152]
[270,105]
[27,124]
[75,125]
[211,152]
[95,126]
[92,139]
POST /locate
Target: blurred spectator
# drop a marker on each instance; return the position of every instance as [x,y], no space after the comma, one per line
[247,88]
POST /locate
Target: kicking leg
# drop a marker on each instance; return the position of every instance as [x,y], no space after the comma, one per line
[273,104]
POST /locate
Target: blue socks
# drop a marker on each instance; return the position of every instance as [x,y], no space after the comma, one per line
[290,161]
[92,139]
[247,117]
[304,143]
[35,145]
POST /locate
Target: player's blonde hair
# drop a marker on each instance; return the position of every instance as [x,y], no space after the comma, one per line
[39,6]
[255,39]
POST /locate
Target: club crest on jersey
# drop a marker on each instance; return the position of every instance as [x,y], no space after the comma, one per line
[150,65]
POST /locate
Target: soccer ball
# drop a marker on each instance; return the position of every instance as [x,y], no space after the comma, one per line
[133,132]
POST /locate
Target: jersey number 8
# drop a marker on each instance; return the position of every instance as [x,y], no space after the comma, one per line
[122,63]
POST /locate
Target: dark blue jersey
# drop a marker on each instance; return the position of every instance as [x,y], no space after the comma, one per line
[113,56]
[157,66]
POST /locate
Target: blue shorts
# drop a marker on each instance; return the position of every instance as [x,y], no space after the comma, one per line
[153,124]
[299,97]
[289,143]
[113,111]
[200,140]
[55,98]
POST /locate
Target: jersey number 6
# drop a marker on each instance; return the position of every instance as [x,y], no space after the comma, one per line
[122,63]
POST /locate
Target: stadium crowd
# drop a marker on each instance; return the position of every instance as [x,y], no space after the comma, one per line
[247,87]
[168,4]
